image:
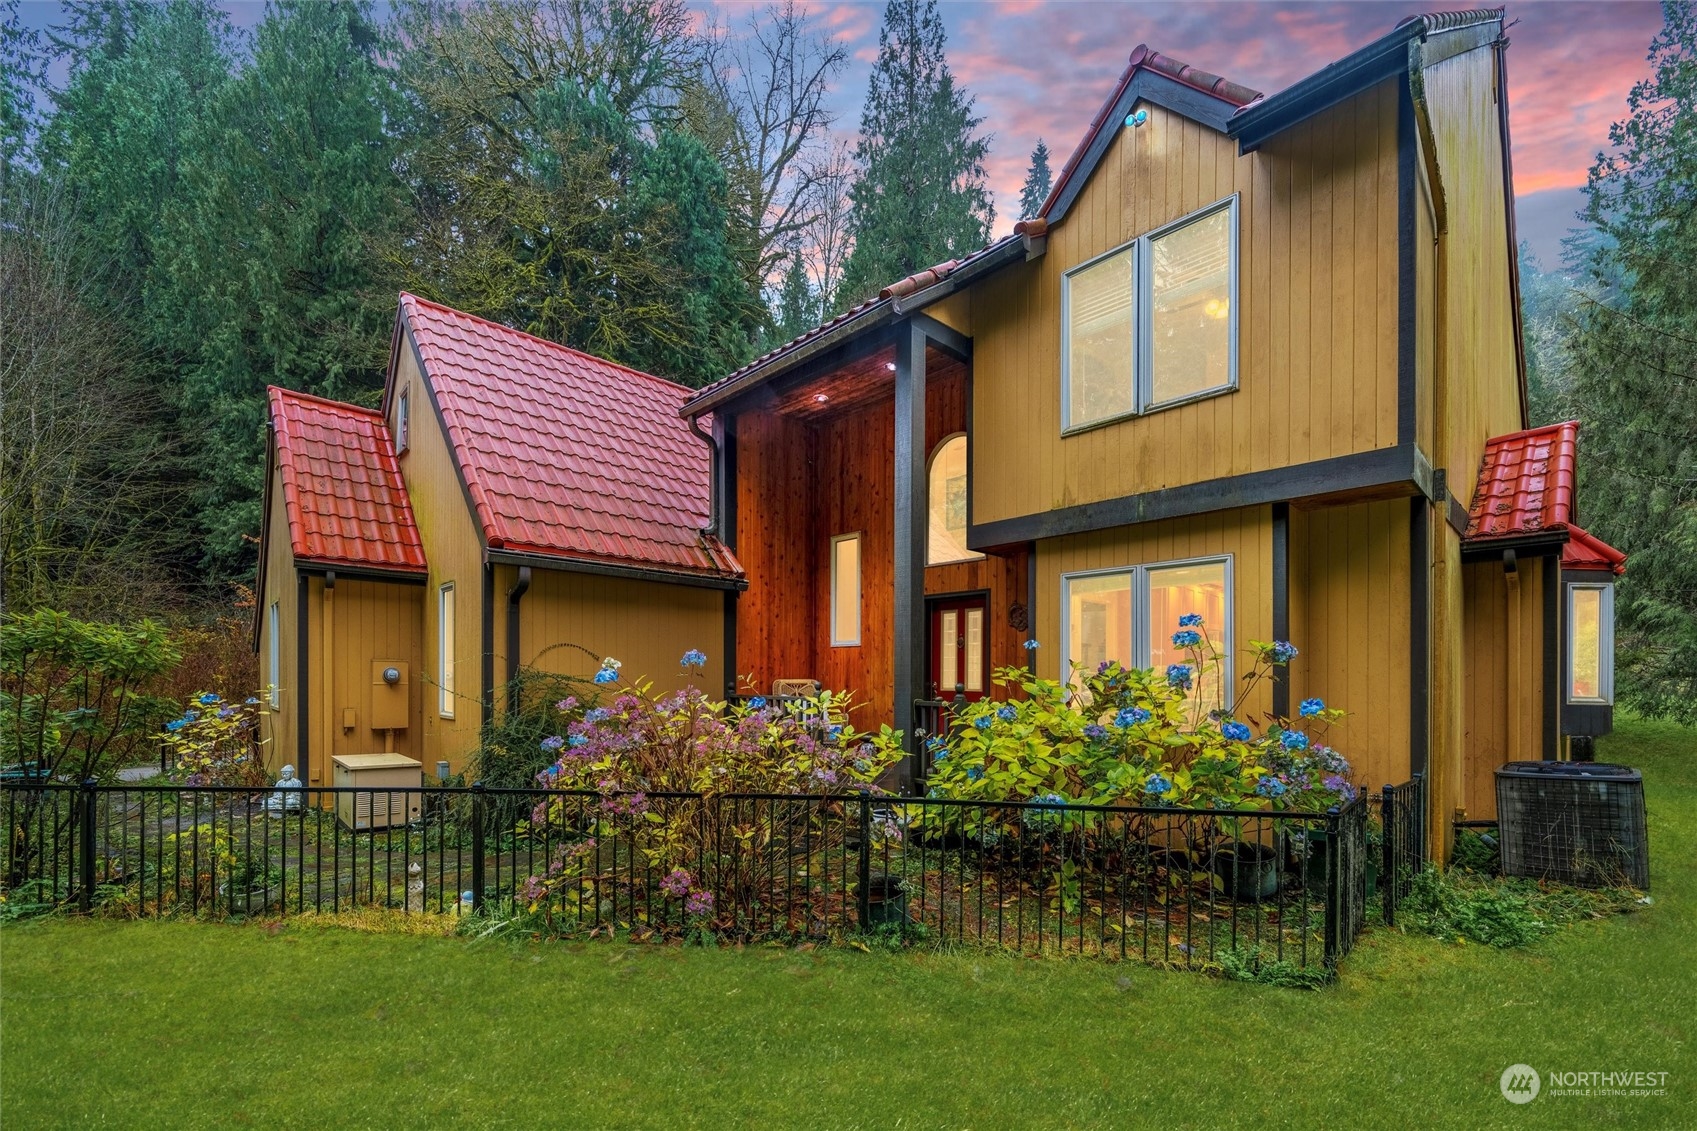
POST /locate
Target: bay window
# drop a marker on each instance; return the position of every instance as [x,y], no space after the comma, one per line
[1590,643]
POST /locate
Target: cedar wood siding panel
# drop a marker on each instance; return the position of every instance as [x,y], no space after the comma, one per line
[453,545]
[1245,533]
[1350,610]
[282,743]
[775,541]
[1505,678]
[1317,324]
[646,625]
[350,627]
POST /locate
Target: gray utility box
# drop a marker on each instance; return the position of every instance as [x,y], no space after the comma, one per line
[371,776]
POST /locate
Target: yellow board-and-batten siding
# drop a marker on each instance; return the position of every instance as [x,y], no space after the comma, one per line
[279,727]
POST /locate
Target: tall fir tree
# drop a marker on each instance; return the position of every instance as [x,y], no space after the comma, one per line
[269,273]
[1633,352]
[1038,182]
[798,306]
[922,195]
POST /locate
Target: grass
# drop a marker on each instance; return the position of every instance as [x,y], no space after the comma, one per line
[187,1025]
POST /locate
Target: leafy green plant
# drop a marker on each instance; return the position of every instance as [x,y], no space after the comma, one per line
[215,741]
[1249,965]
[1463,906]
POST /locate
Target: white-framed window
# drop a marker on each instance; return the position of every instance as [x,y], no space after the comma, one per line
[1129,615]
[1590,642]
[1152,323]
[445,650]
[946,541]
[845,590]
[403,420]
[273,655]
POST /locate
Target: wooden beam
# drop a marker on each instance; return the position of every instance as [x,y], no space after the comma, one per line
[911,528]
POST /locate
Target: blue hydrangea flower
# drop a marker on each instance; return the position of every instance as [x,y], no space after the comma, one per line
[1049,801]
[208,699]
[596,715]
[606,675]
[1190,620]
[757,703]
[176,724]
[1311,707]
[694,658]
[251,701]
[1007,713]
[1270,787]
[1031,645]
[1283,651]
[190,715]
[553,742]
[1179,675]
[982,722]
[1187,638]
[1130,717]
[833,732]
[1294,740]
[1096,730]
[1339,785]
[1235,732]
[576,740]
[1157,784]
[974,773]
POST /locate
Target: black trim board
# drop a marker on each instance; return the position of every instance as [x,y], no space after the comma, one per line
[1382,467]
[1552,656]
[609,569]
[486,693]
[359,573]
[303,680]
[1419,636]
[1281,604]
[1145,86]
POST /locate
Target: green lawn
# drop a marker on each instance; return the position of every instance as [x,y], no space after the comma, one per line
[185,1025]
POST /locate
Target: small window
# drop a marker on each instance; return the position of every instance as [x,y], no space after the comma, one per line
[1153,323]
[403,420]
[845,589]
[1129,616]
[445,651]
[273,656]
[947,539]
[1590,643]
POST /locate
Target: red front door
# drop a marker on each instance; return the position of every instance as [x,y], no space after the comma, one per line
[960,648]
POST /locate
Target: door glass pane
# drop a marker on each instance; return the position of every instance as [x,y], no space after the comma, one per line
[1191,308]
[1175,591]
[948,648]
[1098,620]
[1099,301]
[947,540]
[845,590]
[1586,612]
[975,650]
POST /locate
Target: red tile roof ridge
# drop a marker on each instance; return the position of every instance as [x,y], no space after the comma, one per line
[1585,550]
[1526,433]
[506,329]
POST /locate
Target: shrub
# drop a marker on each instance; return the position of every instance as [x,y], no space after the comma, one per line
[1125,736]
[216,742]
[1461,905]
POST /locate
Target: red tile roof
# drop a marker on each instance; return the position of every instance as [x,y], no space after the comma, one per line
[1525,483]
[342,490]
[1585,550]
[1143,59]
[566,454]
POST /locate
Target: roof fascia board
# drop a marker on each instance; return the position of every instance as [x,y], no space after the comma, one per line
[822,352]
[608,569]
[317,568]
[1256,123]
[1145,86]
[265,523]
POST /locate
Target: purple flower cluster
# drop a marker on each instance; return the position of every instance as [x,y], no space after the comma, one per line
[699,904]
[676,883]
[1283,651]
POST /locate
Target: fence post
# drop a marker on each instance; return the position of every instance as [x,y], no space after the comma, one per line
[1334,888]
[477,846]
[1387,853]
[85,839]
[864,874]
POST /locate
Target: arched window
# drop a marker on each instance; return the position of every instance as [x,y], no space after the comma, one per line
[947,541]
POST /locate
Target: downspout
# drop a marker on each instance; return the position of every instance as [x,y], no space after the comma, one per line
[1515,705]
[514,596]
[303,682]
[712,527]
[329,663]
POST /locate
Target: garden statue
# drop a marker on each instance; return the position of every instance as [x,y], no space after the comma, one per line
[288,794]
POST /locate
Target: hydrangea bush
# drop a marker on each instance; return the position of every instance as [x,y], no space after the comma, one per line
[1127,736]
[215,741]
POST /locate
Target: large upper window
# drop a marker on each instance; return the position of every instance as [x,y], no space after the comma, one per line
[845,589]
[1153,323]
[1129,615]
[947,540]
[1590,643]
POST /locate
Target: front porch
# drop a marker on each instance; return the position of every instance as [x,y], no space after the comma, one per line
[844,495]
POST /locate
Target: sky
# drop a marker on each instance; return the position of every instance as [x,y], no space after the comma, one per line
[1042,70]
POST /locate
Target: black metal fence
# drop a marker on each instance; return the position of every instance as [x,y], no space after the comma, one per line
[1172,886]
[1402,810]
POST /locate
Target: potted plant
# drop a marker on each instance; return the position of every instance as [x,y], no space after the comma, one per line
[1248,870]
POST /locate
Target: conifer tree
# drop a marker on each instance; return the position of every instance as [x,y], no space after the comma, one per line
[798,307]
[1037,182]
[921,196]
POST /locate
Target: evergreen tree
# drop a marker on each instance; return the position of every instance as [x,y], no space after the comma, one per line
[268,273]
[22,71]
[921,197]
[1037,183]
[798,307]
[1634,352]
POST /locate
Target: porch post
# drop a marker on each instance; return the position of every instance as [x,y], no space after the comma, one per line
[910,538]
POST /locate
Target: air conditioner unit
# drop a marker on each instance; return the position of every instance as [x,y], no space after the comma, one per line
[365,781]
[1577,822]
